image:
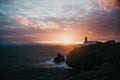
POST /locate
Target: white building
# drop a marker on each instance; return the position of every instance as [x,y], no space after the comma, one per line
[86,42]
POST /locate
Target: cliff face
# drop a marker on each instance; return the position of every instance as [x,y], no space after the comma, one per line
[91,56]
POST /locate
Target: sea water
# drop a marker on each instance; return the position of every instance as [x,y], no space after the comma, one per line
[37,55]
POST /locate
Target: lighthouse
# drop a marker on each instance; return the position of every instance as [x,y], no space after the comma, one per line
[86,42]
[86,39]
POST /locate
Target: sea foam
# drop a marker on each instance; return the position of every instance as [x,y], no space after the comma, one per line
[51,63]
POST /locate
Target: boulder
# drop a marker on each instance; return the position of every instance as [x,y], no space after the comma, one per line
[59,58]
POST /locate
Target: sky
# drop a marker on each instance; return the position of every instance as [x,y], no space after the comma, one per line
[24,21]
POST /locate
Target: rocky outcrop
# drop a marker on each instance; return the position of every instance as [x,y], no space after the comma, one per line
[59,58]
[88,57]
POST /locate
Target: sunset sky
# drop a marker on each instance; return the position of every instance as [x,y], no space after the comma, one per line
[37,21]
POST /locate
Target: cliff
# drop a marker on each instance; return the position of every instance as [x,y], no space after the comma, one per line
[88,57]
[95,62]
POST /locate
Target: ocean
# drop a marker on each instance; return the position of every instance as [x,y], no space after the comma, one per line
[35,55]
[33,62]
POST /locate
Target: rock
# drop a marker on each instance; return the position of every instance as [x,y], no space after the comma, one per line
[59,58]
[88,57]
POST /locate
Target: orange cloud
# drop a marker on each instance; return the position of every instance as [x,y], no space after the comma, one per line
[68,28]
[109,4]
[38,25]
[49,25]
[22,20]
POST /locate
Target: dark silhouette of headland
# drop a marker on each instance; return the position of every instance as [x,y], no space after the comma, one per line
[96,60]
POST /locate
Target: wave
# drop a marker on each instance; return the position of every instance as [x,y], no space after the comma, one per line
[51,63]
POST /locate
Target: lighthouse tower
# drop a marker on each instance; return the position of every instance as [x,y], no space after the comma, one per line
[85,39]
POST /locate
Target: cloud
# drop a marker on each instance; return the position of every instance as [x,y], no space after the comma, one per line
[22,20]
[35,24]
[44,18]
[68,28]
[49,25]
[109,4]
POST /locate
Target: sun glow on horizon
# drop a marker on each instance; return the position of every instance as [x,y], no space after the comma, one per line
[58,42]
[64,39]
